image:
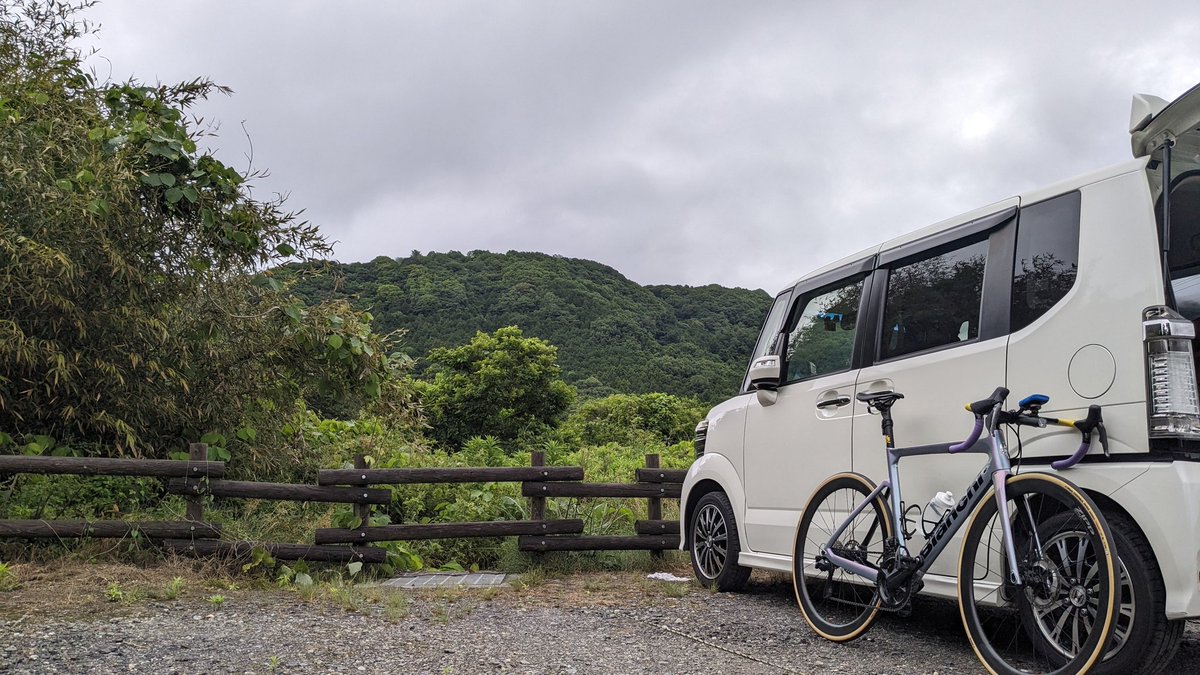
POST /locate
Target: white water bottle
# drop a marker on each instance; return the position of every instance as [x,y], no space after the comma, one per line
[935,509]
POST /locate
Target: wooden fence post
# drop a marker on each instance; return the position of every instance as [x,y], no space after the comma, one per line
[537,505]
[654,509]
[362,511]
[197,452]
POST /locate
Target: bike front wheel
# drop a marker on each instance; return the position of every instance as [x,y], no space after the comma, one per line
[1059,618]
[839,605]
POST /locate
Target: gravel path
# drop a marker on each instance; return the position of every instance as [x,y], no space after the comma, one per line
[628,626]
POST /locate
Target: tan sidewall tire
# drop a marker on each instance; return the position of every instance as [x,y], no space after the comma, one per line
[797,573]
[1093,512]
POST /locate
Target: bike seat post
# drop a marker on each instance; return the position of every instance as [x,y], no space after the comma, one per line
[885,424]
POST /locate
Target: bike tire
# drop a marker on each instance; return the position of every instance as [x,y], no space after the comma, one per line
[843,607]
[1071,587]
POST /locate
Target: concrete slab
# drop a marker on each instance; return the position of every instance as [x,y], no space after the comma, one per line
[418,581]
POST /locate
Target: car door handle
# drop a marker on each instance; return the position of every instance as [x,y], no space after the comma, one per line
[837,401]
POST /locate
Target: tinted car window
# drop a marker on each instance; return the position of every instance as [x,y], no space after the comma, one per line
[821,340]
[1184,257]
[933,301]
[768,338]
[1047,257]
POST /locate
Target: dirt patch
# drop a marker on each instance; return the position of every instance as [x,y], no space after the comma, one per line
[69,588]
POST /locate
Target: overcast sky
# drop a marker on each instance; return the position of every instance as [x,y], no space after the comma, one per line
[679,142]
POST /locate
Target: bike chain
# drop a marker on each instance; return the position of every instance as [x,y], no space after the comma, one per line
[727,650]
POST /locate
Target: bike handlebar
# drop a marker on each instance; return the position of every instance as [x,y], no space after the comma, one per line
[975,433]
[1073,459]
[1093,422]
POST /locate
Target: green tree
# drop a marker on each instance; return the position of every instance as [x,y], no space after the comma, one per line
[634,419]
[133,310]
[502,385]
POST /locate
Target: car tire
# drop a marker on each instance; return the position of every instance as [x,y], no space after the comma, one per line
[1152,639]
[712,525]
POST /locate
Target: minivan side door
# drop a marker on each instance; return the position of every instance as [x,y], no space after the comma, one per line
[939,313]
[796,441]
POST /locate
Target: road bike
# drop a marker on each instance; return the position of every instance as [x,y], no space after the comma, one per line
[1036,574]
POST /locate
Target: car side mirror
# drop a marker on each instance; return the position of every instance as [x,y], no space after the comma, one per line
[766,372]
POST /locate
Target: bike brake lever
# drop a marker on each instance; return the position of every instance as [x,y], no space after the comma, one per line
[1103,438]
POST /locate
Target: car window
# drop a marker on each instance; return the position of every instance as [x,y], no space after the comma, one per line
[768,338]
[933,301]
[821,339]
[1047,257]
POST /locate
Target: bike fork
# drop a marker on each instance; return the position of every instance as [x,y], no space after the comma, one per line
[1000,475]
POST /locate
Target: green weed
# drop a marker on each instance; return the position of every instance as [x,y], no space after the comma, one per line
[173,588]
[8,578]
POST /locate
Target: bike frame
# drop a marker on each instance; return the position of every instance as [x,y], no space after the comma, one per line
[998,468]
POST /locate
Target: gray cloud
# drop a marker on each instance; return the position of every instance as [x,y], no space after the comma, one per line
[680,142]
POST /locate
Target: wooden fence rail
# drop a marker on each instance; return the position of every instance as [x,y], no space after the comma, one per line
[105,466]
[280,491]
[448,475]
[494,528]
[106,529]
[197,478]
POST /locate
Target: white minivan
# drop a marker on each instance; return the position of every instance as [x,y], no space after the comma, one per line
[1071,291]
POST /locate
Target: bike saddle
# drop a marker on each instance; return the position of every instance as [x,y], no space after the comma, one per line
[879,399]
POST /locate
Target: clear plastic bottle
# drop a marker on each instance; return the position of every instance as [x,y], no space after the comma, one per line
[935,509]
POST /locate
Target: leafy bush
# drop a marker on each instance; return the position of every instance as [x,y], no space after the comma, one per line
[503,385]
[634,419]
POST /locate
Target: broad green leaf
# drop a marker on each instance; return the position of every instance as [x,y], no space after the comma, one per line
[44,441]
[293,312]
[152,179]
[84,177]
[334,341]
[354,567]
[97,134]
[166,179]
[190,194]
[213,438]
[303,579]
[285,250]
[173,196]
[65,185]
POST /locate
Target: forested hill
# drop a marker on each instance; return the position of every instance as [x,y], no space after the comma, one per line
[613,335]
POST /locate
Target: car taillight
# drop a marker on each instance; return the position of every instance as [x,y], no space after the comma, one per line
[1171,374]
[701,437]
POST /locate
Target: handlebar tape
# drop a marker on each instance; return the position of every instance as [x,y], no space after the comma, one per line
[1073,459]
[959,447]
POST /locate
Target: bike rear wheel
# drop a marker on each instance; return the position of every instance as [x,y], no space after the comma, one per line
[839,605]
[1060,618]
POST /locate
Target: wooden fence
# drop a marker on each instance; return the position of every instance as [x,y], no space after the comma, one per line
[196,478]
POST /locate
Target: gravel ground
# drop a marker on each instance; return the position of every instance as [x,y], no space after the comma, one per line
[617,624]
